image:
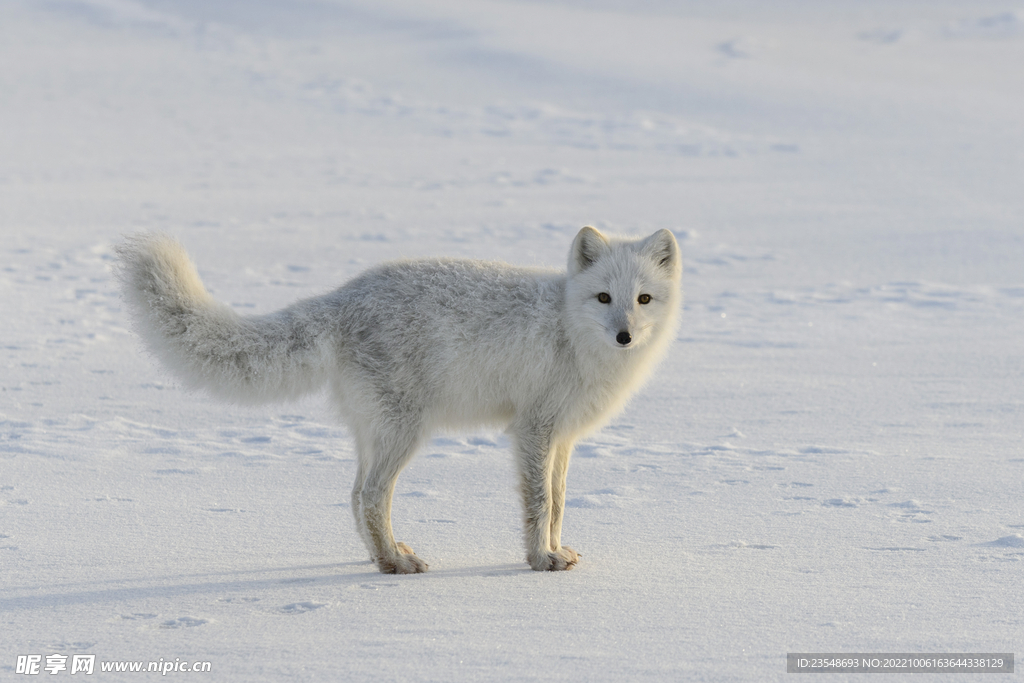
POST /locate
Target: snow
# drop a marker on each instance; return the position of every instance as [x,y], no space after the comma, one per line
[828,461]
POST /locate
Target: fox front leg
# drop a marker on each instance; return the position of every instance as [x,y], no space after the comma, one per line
[538,464]
[559,470]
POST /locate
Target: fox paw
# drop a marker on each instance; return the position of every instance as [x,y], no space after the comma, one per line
[406,562]
[554,561]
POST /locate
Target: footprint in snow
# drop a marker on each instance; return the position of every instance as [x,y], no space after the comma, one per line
[420,494]
[998,26]
[603,498]
[842,502]
[743,545]
[1012,541]
[301,607]
[74,646]
[882,36]
[912,512]
[183,622]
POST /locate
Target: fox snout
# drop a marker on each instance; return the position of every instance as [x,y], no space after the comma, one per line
[624,338]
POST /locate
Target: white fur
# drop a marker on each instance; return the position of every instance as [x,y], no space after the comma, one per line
[410,347]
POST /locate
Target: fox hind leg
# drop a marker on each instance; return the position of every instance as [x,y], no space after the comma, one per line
[357,501]
[381,464]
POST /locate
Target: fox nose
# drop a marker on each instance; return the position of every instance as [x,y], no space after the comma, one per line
[623,337]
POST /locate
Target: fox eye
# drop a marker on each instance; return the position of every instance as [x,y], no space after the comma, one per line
[644,298]
[604,298]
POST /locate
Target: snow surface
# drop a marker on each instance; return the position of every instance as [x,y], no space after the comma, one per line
[830,460]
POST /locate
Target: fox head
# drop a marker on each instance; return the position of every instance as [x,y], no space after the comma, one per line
[624,291]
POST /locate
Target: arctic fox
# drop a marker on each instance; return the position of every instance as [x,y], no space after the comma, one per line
[413,346]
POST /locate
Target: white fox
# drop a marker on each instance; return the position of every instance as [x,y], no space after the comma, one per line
[410,347]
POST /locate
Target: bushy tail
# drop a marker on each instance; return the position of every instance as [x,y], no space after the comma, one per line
[206,344]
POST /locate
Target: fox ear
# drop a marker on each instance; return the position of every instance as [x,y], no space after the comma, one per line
[662,248]
[588,246]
